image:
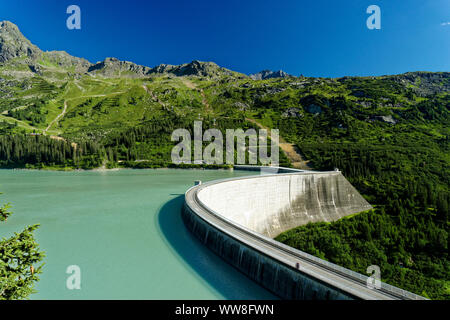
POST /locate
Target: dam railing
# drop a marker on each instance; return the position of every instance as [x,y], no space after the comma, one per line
[360,279]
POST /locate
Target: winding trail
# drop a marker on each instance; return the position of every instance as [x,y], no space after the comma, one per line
[20,123]
[193,86]
[154,97]
[65,107]
[57,118]
[290,150]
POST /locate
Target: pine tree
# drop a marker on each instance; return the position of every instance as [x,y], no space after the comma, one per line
[20,259]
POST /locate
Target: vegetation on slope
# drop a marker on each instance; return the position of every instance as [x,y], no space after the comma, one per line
[404,170]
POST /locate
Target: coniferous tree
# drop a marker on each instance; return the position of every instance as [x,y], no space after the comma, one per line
[20,261]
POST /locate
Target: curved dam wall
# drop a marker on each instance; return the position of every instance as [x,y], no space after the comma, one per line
[270,205]
[237,219]
[282,280]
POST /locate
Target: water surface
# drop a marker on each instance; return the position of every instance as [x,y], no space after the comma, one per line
[124,230]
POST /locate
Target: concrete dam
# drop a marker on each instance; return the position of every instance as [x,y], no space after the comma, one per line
[272,204]
[238,219]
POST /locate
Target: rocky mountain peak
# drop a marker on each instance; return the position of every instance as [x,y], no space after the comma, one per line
[8,25]
[13,44]
[199,68]
[268,74]
[194,68]
[65,60]
[113,67]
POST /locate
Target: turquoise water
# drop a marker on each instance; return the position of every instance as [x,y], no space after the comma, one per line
[124,230]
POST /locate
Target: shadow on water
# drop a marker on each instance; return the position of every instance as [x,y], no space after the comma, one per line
[224,278]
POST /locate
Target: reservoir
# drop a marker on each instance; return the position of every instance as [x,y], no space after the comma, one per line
[124,230]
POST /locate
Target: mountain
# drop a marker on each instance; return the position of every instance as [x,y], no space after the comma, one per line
[64,60]
[199,69]
[267,74]
[14,45]
[17,50]
[112,67]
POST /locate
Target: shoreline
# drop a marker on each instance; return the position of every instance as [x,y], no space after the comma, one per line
[101,169]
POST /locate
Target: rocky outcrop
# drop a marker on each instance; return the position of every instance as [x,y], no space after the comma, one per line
[421,83]
[66,61]
[268,74]
[292,113]
[386,119]
[424,83]
[196,68]
[112,67]
[18,50]
[241,106]
[14,45]
[163,68]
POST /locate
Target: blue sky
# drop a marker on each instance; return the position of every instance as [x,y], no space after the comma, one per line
[313,38]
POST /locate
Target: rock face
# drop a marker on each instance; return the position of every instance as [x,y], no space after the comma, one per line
[14,45]
[271,205]
[163,68]
[241,106]
[267,74]
[112,67]
[66,61]
[387,119]
[421,83]
[424,83]
[195,68]
[292,113]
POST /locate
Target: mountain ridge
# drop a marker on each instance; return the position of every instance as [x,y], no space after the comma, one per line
[269,74]
[14,45]
[16,48]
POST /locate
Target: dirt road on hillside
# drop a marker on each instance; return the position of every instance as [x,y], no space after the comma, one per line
[290,150]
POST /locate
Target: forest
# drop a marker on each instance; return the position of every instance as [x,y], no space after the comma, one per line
[145,146]
[404,172]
